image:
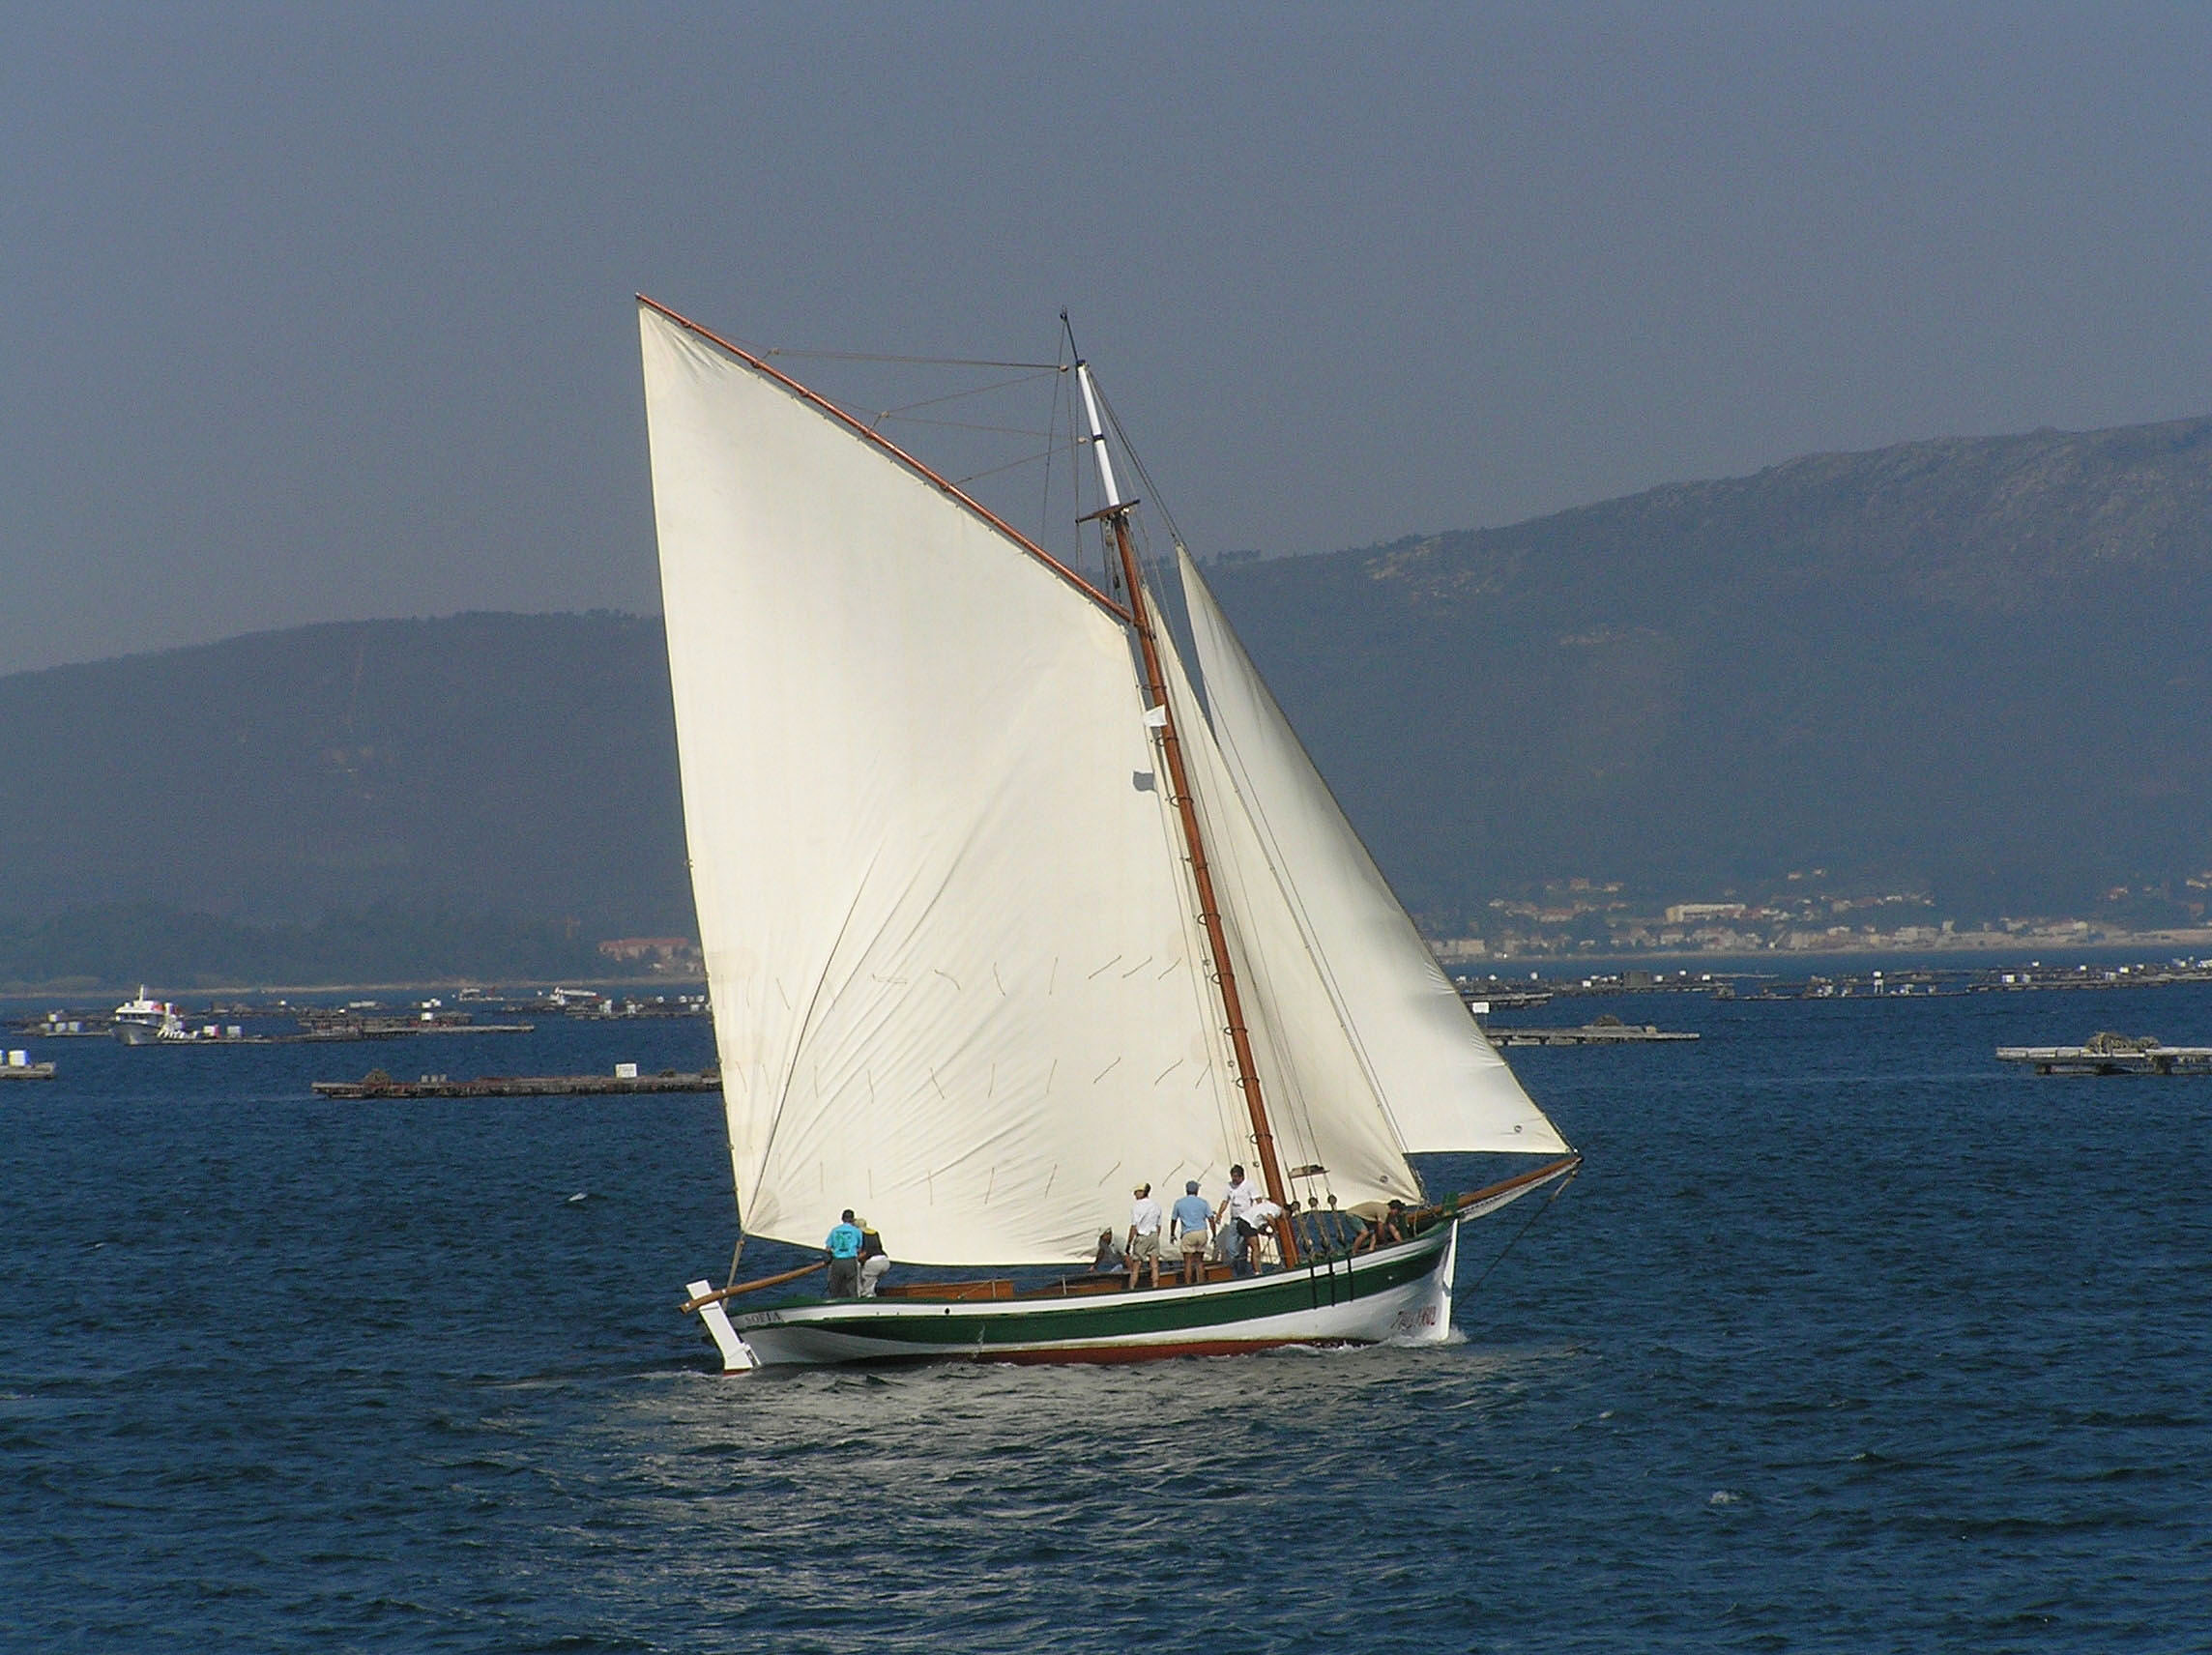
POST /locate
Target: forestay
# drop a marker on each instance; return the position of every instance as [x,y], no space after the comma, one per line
[1444,1084]
[1321,1101]
[940,897]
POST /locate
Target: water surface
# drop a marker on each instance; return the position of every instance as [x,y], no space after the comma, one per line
[1845,1339]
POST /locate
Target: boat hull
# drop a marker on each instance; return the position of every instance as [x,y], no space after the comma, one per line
[1399,1293]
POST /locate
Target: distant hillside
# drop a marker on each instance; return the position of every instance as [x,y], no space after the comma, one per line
[115,945]
[514,763]
[1979,667]
[1981,663]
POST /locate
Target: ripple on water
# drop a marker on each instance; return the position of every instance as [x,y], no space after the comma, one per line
[1839,1343]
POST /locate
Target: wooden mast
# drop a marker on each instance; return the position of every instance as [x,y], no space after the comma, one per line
[1116,514]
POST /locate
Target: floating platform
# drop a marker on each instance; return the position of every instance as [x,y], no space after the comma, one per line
[380,1086]
[1589,1034]
[325,1028]
[17,1066]
[2108,1055]
[1480,998]
[328,1037]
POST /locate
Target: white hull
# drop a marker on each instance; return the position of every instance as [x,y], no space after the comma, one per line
[144,1021]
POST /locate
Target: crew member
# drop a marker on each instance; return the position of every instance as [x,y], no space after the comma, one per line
[1236,1210]
[1191,1229]
[1146,1220]
[843,1246]
[875,1263]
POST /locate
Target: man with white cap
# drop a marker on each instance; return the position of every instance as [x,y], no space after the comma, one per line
[1146,1220]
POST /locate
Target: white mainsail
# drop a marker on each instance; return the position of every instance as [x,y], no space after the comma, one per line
[1438,1077]
[958,977]
[939,890]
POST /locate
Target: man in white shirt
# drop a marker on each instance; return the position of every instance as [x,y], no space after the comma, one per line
[1146,1221]
[1236,1208]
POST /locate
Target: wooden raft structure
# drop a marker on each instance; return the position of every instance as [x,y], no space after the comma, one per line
[380,1086]
[1589,1034]
[2109,1053]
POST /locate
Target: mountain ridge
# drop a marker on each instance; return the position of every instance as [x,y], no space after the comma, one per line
[1974,665]
[523,762]
[1688,686]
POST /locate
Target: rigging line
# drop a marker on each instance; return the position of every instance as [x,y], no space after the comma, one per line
[1028,432]
[920,361]
[1051,447]
[1010,465]
[1558,1190]
[956,395]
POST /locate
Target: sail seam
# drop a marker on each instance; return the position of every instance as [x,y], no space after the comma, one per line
[805,1026]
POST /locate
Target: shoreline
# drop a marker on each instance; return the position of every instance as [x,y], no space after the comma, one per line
[1979,948]
[262,991]
[1978,943]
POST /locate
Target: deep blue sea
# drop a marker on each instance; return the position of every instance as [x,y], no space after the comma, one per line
[1845,1339]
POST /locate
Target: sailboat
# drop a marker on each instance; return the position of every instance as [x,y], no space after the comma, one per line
[1001,917]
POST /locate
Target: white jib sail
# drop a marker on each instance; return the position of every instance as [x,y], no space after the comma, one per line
[1321,1101]
[938,892]
[1442,1083]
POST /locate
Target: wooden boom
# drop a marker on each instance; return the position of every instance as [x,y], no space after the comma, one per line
[692,1306]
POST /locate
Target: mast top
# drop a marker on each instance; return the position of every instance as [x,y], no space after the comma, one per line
[1115,503]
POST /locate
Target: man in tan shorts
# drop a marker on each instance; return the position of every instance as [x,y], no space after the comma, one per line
[1194,1231]
[1146,1221]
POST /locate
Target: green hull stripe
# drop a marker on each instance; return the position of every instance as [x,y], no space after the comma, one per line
[1120,1315]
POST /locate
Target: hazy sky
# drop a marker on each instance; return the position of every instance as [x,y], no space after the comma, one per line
[312,314]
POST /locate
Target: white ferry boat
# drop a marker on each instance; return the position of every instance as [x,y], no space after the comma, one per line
[142,1021]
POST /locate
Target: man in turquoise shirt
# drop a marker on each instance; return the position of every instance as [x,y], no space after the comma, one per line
[844,1249]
